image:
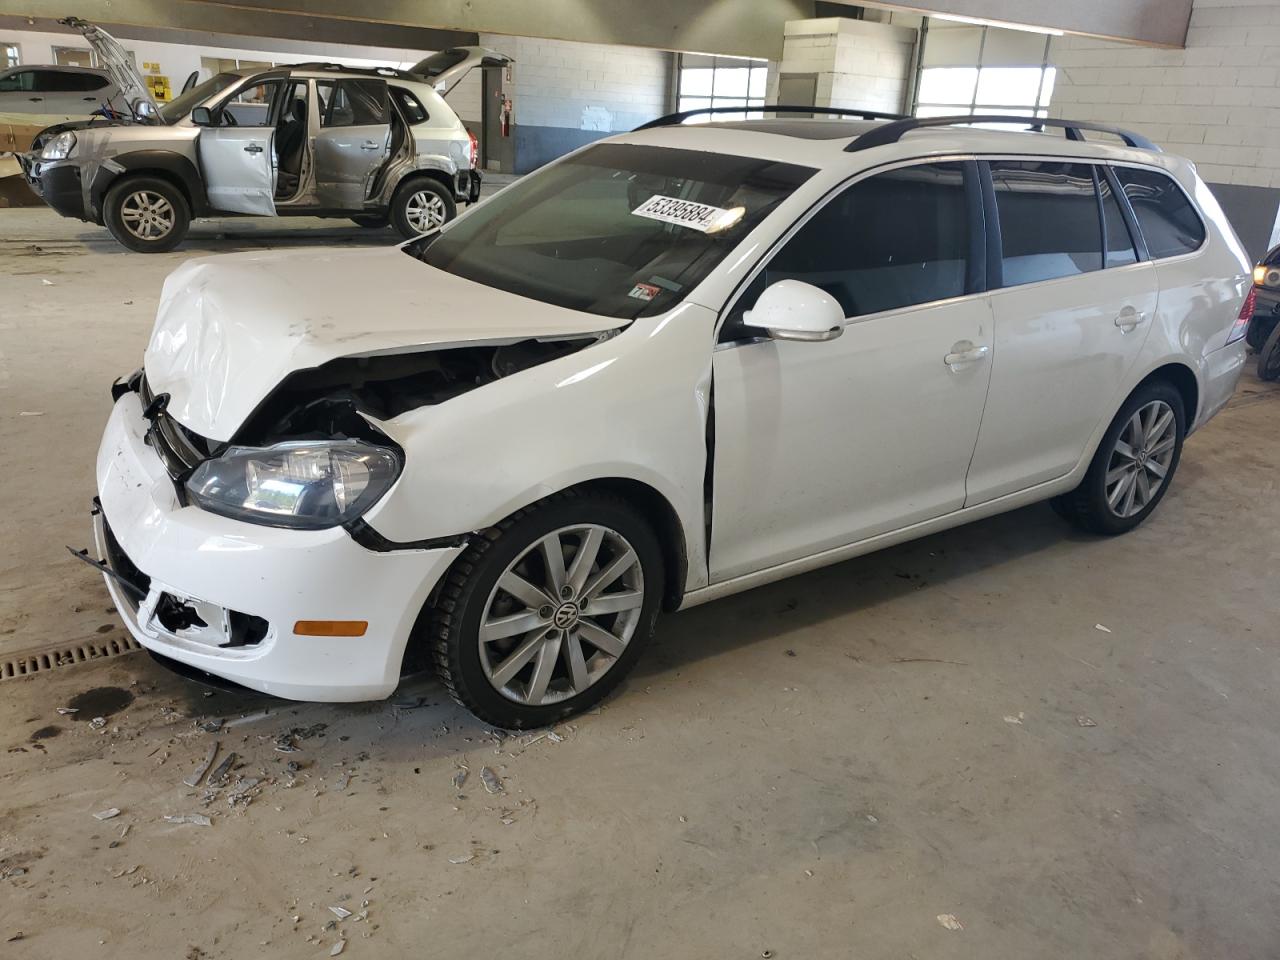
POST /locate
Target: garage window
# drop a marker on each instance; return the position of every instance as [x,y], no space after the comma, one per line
[967,69]
[707,81]
[1169,223]
[9,55]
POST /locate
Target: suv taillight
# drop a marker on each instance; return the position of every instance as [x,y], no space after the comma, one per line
[1246,314]
[475,149]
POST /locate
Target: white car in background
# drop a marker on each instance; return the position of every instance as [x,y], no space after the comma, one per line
[671,366]
[58,91]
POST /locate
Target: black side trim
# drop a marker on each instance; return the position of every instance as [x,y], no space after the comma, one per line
[166,161]
[371,539]
[975,280]
[995,247]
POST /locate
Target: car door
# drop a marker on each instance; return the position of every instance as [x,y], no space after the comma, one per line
[18,93]
[353,139]
[1073,309]
[237,152]
[819,445]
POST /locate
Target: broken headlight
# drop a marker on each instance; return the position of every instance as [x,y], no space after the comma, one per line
[60,147]
[304,484]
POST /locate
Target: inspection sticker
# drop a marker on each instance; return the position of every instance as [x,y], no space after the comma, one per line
[697,216]
[644,291]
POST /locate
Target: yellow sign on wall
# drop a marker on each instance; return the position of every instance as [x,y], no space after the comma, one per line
[159,85]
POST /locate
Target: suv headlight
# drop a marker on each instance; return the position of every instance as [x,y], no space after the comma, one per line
[60,147]
[306,485]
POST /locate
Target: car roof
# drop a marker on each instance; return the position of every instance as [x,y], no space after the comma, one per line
[821,142]
[56,67]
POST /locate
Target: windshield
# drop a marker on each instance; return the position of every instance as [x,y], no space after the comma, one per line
[176,109]
[619,230]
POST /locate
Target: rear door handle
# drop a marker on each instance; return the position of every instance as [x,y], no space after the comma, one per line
[1128,318]
[370,145]
[962,354]
[36,99]
[253,148]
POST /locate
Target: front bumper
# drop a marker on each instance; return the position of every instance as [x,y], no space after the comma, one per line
[60,187]
[215,566]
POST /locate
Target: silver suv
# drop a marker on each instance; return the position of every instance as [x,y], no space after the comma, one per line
[379,146]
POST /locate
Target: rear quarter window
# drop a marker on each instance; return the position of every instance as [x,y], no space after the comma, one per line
[1169,223]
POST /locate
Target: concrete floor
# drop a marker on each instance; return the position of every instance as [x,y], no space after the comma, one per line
[820,768]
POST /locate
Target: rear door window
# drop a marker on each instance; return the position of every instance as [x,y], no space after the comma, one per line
[410,106]
[353,102]
[22,80]
[1049,224]
[1168,221]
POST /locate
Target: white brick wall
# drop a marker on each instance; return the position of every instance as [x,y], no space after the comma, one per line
[858,63]
[584,86]
[1216,101]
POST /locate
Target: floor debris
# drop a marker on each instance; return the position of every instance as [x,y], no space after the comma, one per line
[1098,626]
[247,718]
[492,783]
[199,819]
[460,777]
[97,723]
[338,948]
[67,711]
[340,912]
[949,921]
[107,814]
[220,775]
[1084,721]
[195,776]
[467,859]
[1016,720]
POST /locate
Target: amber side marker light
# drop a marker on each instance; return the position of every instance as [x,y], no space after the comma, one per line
[331,628]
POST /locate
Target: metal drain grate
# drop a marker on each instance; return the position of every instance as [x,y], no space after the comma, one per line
[29,662]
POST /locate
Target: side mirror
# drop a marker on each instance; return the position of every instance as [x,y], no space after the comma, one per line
[794,310]
[201,117]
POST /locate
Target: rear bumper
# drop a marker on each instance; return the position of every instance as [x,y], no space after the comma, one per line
[217,567]
[1222,369]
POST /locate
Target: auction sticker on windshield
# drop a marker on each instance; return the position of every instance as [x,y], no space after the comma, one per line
[686,213]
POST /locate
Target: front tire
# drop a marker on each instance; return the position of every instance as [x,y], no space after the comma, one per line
[146,214]
[420,206]
[546,613]
[1133,466]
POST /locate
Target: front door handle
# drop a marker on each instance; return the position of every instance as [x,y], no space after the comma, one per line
[965,352]
[253,148]
[1128,318]
[370,145]
[36,99]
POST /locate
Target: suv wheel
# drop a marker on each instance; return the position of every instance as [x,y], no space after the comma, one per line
[420,206]
[146,214]
[1134,464]
[545,613]
[1269,357]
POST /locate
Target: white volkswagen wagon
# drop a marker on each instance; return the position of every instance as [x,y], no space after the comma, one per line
[671,366]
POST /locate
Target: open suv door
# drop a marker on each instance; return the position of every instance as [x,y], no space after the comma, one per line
[445,69]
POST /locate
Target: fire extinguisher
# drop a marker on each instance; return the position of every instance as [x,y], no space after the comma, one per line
[506,116]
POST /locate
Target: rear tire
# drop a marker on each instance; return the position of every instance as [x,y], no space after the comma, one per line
[1259,330]
[520,652]
[420,206]
[1269,357]
[146,214]
[1133,466]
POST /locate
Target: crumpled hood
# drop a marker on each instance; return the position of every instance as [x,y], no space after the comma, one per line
[231,328]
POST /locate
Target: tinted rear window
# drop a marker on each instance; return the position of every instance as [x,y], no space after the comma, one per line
[1169,223]
[1049,222]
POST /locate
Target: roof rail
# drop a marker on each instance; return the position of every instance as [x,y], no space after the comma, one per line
[892,132]
[673,119]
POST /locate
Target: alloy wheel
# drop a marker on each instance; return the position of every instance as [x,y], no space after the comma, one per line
[425,211]
[561,615]
[1141,458]
[147,215]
